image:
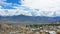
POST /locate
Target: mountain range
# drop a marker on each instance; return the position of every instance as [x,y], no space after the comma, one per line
[29,19]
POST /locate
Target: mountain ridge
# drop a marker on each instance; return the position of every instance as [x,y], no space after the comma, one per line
[29,19]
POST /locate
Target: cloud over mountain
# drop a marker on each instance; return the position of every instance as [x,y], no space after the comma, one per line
[48,8]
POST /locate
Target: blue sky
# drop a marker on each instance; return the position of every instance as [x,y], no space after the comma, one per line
[13,1]
[50,8]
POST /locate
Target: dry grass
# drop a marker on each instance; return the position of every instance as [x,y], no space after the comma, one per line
[18,29]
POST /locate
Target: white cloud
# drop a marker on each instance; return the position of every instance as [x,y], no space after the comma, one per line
[48,8]
[46,5]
